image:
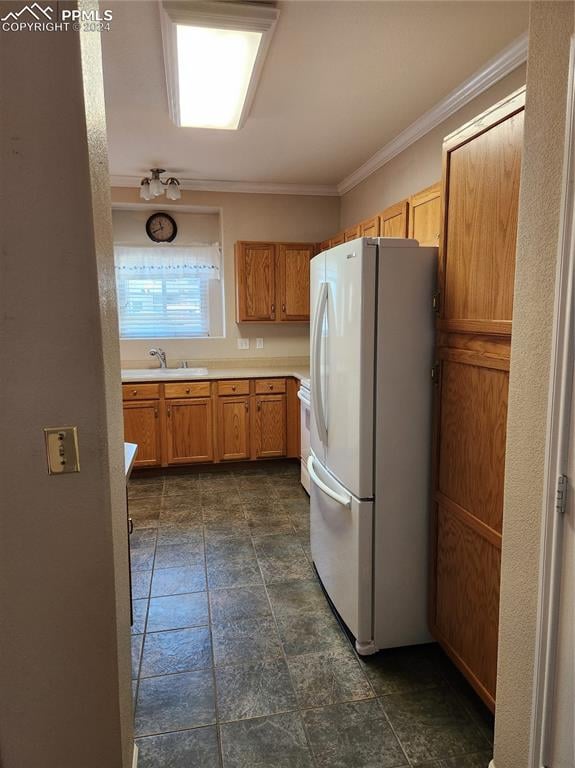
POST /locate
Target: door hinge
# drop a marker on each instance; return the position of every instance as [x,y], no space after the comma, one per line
[561,494]
[435,374]
[435,301]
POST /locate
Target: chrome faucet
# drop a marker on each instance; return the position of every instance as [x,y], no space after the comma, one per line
[161,355]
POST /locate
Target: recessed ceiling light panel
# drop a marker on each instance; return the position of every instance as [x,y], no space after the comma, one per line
[214,53]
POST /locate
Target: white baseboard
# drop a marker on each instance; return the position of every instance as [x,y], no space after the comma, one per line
[135,756]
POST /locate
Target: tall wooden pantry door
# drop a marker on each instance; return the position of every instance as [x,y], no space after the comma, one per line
[480,195]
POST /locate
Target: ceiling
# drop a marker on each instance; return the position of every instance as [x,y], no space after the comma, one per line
[342,78]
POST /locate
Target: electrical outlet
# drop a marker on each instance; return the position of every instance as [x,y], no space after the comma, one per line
[243,343]
[259,343]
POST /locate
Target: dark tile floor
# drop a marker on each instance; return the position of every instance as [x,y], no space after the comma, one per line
[238,661]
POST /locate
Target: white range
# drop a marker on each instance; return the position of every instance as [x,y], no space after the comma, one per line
[372,334]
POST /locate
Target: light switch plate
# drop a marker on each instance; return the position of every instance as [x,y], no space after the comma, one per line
[259,343]
[62,450]
[243,343]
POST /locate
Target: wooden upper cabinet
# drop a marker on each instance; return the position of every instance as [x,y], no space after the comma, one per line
[189,430]
[425,215]
[233,428]
[272,281]
[325,246]
[337,239]
[270,431]
[142,426]
[482,172]
[352,233]
[369,227]
[255,281]
[393,222]
[294,259]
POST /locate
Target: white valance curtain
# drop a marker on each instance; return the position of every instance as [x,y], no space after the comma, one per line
[168,261]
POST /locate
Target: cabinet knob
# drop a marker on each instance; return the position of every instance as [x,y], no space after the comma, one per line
[247,406]
[283,307]
[273,308]
[188,391]
[270,386]
[169,411]
[233,387]
[134,391]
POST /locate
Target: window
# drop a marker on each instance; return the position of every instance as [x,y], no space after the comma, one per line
[164,291]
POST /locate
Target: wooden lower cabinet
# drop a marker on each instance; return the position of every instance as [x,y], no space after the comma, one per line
[233,428]
[142,426]
[269,426]
[189,431]
[193,422]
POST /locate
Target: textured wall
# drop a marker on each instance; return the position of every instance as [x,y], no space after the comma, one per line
[551,25]
[64,626]
[419,165]
[246,217]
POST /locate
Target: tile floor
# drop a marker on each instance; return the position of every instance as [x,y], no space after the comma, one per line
[238,661]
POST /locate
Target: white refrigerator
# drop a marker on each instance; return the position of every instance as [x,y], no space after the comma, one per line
[372,333]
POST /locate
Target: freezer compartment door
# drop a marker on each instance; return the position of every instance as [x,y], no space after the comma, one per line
[341,546]
[349,328]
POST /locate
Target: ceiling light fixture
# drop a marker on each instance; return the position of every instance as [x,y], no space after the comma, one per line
[214,54]
[154,186]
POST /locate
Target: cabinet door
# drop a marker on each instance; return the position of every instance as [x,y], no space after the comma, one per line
[352,233]
[369,227]
[270,432]
[393,221]
[142,426]
[294,261]
[189,430]
[255,281]
[233,428]
[425,215]
[337,239]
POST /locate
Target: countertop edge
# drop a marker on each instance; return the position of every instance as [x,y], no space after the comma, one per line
[130,450]
[215,375]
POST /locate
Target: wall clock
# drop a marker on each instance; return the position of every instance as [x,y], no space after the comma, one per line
[161,228]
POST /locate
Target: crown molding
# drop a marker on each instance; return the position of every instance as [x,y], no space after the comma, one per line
[252,187]
[496,68]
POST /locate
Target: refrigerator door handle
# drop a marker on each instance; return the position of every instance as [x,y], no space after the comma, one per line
[316,393]
[345,501]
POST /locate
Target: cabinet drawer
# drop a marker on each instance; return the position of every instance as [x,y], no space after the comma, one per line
[187,389]
[234,387]
[140,391]
[265,386]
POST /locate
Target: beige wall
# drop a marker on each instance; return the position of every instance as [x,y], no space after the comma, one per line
[245,217]
[130,227]
[551,25]
[419,165]
[65,697]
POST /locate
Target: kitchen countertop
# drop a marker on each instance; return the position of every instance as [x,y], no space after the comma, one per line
[130,376]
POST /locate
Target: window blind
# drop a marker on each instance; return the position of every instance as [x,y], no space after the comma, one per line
[163,291]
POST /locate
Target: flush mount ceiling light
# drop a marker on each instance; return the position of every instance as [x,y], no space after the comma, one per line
[214,54]
[154,186]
